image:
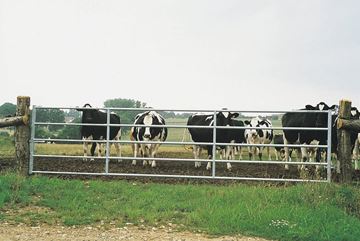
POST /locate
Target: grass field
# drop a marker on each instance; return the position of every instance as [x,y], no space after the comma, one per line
[7,148]
[295,212]
[283,212]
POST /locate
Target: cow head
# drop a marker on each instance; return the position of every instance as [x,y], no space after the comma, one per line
[149,118]
[355,114]
[225,118]
[321,106]
[89,114]
[256,122]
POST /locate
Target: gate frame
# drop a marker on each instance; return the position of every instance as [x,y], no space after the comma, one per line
[214,160]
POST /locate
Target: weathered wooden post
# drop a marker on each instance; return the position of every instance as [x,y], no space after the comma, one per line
[22,136]
[344,145]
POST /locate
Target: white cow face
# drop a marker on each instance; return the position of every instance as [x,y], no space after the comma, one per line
[148,120]
[252,133]
[256,134]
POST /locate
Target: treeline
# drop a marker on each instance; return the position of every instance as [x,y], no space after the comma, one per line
[74,116]
[7,109]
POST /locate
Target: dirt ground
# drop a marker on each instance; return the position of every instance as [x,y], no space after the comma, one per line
[170,168]
[181,168]
[21,232]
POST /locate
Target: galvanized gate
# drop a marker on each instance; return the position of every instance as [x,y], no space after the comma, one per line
[37,142]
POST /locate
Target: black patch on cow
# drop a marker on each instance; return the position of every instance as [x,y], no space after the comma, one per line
[95,116]
[206,134]
[138,132]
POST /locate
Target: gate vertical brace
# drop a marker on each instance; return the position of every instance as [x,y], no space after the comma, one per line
[329,143]
[32,137]
[107,151]
[214,147]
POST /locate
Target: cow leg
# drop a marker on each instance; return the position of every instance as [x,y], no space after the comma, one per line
[208,166]
[357,161]
[356,153]
[357,164]
[250,150]
[229,155]
[85,148]
[260,150]
[92,150]
[118,146]
[286,149]
[136,150]
[153,151]
[145,153]
[268,152]
[240,153]
[197,153]
[304,156]
[99,146]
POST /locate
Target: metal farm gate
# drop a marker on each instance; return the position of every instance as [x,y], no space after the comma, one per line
[64,156]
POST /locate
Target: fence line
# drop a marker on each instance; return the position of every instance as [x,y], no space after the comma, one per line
[214,160]
[22,133]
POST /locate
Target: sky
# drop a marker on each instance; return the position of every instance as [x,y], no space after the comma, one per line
[181,54]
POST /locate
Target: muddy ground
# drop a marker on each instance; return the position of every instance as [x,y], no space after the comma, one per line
[170,168]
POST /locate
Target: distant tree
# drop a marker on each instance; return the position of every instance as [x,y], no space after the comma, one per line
[73,113]
[52,116]
[126,116]
[7,109]
[71,132]
[42,132]
[168,114]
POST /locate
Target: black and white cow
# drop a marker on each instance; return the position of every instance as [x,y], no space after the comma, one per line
[258,136]
[356,153]
[306,120]
[88,132]
[206,134]
[279,150]
[237,136]
[149,132]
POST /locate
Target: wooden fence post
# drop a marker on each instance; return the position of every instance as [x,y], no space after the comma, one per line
[22,136]
[344,145]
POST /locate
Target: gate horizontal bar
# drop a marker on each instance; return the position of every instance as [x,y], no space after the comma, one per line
[177,176]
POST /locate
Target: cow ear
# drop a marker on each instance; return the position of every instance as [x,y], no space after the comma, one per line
[247,122]
[87,105]
[234,115]
[262,122]
[310,107]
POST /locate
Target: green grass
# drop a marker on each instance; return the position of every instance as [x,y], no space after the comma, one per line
[297,212]
[7,148]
